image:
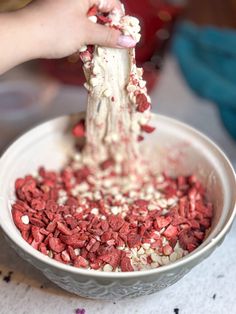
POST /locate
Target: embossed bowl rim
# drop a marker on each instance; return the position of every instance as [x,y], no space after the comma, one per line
[198,254]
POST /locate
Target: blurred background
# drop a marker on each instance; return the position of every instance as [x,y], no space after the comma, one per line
[188,51]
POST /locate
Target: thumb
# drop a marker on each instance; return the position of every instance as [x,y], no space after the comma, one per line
[101,35]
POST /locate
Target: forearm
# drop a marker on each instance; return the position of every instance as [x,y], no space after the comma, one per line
[17,43]
[55,29]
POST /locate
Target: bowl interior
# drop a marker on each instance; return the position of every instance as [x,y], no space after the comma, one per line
[174,148]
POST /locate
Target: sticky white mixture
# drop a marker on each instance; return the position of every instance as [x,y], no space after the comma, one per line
[114,83]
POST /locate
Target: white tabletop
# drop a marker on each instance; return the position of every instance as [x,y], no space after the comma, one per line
[208,288]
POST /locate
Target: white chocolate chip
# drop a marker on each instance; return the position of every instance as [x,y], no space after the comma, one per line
[96,69]
[77,252]
[107,93]
[95,211]
[93,18]
[87,86]
[115,210]
[146,246]
[25,219]
[108,268]
[131,88]
[94,81]
[83,48]
[142,83]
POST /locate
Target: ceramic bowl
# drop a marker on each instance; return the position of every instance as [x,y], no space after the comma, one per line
[174,147]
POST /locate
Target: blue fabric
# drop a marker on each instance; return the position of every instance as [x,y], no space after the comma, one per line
[207,57]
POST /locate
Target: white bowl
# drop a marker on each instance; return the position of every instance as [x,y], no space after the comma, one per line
[175,147]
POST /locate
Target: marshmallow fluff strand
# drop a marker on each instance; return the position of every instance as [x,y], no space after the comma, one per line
[118,105]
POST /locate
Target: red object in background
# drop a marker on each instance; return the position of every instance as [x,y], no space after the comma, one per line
[156,19]
[154,15]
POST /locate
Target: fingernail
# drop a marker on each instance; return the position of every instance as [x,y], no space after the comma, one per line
[126,42]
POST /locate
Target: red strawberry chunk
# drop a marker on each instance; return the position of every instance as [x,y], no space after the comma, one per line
[56,245]
[171,231]
[163,222]
[63,229]
[115,222]
[93,11]
[112,258]
[133,240]
[125,264]
[79,129]
[147,128]
[80,262]
[142,103]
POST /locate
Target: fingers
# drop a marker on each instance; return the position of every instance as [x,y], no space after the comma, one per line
[106,5]
[107,37]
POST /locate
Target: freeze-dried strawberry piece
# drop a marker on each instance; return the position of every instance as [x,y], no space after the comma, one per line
[63,229]
[95,247]
[71,251]
[65,256]
[29,185]
[140,138]
[112,258]
[44,231]
[156,244]
[178,220]
[162,222]
[141,203]
[93,11]
[19,183]
[199,235]
[107,235]
[51,205]
[75,240]
[206,223]
[124,229]
[37,222]
[58,258]
[21,206]
[207,211]
[17,215]
[38,204]
[191,247]
[82,174]
[125,264]
[167,249]
[133,240]
[187,238]
[142,103]
[43,248]
[72,222]
[194,224]
[79,129]
[80,262]
[90,244]
[37,235]
[104,19]
[91,256]
[107,164]
[51,226]
[104,225]
[171,231]
[56,245]
[95,265]
[115,222]
[84,252]
[147,128]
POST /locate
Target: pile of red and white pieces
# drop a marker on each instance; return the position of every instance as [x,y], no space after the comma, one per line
[104,221]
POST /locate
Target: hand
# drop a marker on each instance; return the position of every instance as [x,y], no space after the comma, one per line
[62,26]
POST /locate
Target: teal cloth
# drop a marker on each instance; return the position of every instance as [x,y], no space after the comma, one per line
[207,57]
